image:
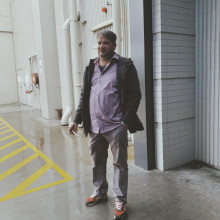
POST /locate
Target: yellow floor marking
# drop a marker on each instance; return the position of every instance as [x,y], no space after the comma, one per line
[20,189]
[10,143]
[5,138]
[4,132]
[3,127]
[12,154]
[17,166]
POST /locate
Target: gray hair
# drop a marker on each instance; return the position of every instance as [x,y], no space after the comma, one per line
[109,35]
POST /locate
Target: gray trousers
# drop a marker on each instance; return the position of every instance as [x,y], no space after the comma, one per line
[98,144]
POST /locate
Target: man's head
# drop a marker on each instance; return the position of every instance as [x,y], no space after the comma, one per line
[106,44]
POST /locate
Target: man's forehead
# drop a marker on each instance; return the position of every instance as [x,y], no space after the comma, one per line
[102,38]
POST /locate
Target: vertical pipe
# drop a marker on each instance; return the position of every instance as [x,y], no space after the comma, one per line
[217,83]
[207,116]
[209,76]
[212,63]
[203,80]
[200,4]
[197,81]
[116,16]
[76,51]
[68,75]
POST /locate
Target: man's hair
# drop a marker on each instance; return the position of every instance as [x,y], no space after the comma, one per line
[109,35]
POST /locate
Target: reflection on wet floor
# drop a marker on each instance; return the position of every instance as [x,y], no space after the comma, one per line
[18,176]
[40,143]
[182,193]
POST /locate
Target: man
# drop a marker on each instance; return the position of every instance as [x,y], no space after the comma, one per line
[109,101]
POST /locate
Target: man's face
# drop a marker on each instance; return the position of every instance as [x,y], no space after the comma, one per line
[105,47]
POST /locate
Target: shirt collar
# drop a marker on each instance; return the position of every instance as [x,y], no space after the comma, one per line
[115,57]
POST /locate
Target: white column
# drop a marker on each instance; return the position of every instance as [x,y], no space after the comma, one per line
[76,51]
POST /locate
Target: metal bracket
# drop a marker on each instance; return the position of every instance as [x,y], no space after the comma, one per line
[78,16]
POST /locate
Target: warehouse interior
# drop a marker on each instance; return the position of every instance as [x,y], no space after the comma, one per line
[173,164]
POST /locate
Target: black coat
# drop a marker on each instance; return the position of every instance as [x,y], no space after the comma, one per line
[129,95]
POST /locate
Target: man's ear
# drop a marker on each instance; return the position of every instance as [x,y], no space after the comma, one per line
[115,45]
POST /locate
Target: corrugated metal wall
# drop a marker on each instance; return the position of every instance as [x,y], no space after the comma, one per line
[125,49]
[207,82]
[91,12]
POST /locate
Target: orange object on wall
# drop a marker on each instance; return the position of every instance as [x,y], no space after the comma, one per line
[104,9]
[35,79]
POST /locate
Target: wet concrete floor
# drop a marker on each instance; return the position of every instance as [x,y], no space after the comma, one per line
[190,192]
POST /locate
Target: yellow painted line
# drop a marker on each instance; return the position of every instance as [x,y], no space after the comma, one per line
[12,154]
[17,166]
[20,190]
[57,168]
[4,132]
[16,194]
[5,138]
[3,127]
[10,143]
[45,186]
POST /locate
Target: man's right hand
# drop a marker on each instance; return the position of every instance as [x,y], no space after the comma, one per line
[73,128]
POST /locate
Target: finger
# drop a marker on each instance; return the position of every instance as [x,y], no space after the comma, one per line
[71,130]
[74,130]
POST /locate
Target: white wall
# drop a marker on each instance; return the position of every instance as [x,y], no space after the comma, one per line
[61,14]
[50,57]
[24,47]
[207,82]
[40,57]
[8,84]
[174,81]
[138,56]
[34,34]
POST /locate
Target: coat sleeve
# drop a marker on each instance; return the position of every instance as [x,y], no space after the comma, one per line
[134,96]
[78,113]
